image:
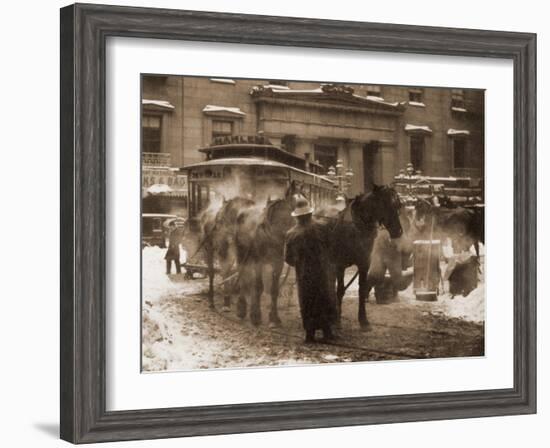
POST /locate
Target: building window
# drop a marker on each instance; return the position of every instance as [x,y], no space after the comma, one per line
[326,155]
[374,91]
[416,95]
[457,99]
[459,153]
[151,133]
[221,128]
[417,151]
[289,143]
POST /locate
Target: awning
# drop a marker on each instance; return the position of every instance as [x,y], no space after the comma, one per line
[420,129]
[458,132]
[159,189]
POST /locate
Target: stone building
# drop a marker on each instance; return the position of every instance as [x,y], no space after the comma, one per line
[374,130]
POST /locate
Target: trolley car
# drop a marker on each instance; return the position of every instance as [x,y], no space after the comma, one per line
[252,167]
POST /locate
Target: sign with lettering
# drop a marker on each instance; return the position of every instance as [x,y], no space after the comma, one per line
[245,139]
[163,177]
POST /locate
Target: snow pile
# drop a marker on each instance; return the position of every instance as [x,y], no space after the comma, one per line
[155,282]
[470,308]
[168,343]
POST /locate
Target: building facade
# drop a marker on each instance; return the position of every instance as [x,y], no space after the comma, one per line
[375,130]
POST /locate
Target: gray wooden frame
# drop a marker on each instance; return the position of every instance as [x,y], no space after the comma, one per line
[84,29]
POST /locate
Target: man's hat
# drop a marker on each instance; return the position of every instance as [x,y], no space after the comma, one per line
[302,208]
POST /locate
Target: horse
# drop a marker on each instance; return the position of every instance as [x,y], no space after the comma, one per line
[464,225]
[260,245]
[218,228]
[353,233]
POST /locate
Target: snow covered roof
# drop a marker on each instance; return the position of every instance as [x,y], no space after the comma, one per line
[331,92]
[159,103]
[458,132]
[417,128]
[223,80]
[377,99]
[211,108]
[318,90]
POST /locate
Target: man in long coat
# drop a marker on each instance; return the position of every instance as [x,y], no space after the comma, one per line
[308,250]
[173,252]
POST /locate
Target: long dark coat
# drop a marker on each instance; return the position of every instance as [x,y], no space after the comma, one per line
[174,239]
[308,250]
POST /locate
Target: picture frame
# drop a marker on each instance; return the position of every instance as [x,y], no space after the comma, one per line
[84,30]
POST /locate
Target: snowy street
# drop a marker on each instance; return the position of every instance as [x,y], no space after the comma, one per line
[180,331]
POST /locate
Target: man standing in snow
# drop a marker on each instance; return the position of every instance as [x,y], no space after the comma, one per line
[173,252]
[307,249]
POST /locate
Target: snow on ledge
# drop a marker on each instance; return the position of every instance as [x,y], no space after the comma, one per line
[209,108]
[223,80]
[412,128]
[458,132]
[158,103]
[375,98]
[416,104]
[458,109]
[276,87]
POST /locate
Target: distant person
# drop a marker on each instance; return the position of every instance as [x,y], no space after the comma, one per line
[173,252]
[307,249]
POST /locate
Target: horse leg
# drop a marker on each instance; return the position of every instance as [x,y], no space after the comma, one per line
[340,291]
[242,287]
[364,289]
[274,318]
[210,264]
[226,288]
[256,294]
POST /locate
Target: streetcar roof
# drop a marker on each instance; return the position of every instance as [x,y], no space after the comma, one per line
[158,215]
[266,151]
[249,161]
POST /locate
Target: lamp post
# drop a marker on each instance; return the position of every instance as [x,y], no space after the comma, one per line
[340,176]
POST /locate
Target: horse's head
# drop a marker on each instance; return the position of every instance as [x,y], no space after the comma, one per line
[277,215]
[380,206]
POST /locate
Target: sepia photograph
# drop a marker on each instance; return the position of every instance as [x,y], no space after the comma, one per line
[288,222]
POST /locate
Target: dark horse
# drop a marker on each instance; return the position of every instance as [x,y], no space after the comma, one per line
[353,233]
[260,245]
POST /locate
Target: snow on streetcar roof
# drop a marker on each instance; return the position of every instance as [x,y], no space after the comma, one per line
[158,215]
[248,161]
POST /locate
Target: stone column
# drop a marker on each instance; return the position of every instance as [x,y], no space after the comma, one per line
[356,164]
[386,155]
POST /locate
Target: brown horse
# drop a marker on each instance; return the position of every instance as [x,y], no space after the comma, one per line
[353,232]
[465,226]
[219,228]
[260,255]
